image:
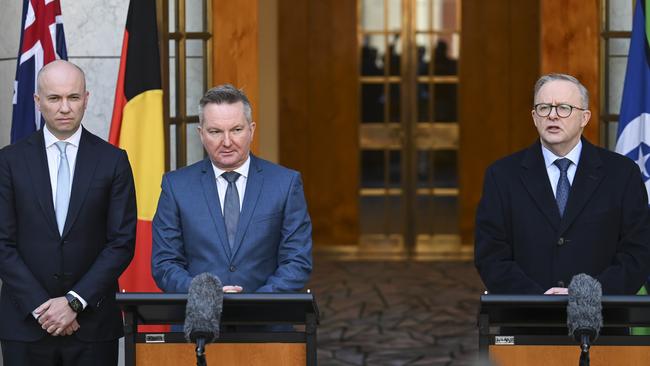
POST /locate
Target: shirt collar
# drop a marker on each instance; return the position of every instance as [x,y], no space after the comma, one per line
[243,169]
[50,139]
[573,155]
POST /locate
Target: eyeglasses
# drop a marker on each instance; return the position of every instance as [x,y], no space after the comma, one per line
[562,110]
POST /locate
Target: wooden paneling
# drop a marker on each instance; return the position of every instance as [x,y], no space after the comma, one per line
[235,48]
[223,354]
[570,39]
[569,355]
[498,68]
[319,111]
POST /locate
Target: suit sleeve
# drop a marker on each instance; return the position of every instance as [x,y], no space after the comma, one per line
[26,292]
[493,251]
[120,237]
[631,264]
[168,260]
[294,252]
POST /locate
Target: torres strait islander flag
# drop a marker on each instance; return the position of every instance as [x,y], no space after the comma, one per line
[137,127]
[41,42]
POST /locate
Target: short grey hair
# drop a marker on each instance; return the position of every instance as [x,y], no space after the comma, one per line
[584,93]
[226,94]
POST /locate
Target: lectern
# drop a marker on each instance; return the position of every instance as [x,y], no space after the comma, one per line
[531,330]
[247,336]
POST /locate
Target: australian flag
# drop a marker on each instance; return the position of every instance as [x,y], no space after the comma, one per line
[41,42]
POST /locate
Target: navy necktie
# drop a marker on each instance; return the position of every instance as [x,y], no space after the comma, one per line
[231,206]
[563,185]
[62,186]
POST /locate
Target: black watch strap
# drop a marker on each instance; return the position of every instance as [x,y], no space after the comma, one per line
[74,303]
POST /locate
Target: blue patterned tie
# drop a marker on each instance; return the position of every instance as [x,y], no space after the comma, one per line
[62,187]
[563,185]
[231,206]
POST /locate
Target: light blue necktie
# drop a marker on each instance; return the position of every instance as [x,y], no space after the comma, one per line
[563,185]
[231,206]
[62,187]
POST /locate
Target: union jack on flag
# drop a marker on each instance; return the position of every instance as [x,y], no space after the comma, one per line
[41,42]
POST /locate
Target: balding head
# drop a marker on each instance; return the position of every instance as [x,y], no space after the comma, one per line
[60,67]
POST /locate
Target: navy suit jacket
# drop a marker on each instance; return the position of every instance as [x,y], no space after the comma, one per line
[97,244]
[524,246]
[272,251]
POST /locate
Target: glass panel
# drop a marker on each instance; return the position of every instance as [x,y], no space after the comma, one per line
[612,129]
[425,169]
[394,107]
[619,46]
[395,168]
[445,172]
[445,60]
[372,168]
[172,15]
[423,42]
[620,15]
[423,15]
[372,15]
[616,80]
[424,102]
[195,73]
[394,15]
[394,53]
[194,10]
[445,109]
[437,214]
[194,146]
[381,215]
[445,15]
[172,147]
[372,103]
[372,63]
[172,78]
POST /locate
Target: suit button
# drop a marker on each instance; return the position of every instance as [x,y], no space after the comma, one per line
[233,268]
[560,242]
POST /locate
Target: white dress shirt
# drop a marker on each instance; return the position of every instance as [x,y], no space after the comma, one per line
[553,170]
[222,183]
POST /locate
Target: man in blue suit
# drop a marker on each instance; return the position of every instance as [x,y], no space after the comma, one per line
[234,215]
[67,231]
[562,206]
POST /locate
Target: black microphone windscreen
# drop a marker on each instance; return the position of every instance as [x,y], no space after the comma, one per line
[203,309]
[584,310]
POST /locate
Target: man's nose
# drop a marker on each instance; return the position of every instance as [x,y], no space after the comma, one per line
[65,106]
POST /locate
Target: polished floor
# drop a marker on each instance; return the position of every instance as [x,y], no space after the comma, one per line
[396,312]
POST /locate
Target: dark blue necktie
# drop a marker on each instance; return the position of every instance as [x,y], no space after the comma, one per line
[231,206]
[563,185]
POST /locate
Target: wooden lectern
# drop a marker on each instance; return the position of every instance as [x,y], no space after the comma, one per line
[531,330]
[246,337]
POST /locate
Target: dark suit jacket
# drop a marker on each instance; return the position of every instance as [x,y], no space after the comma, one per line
[522,244]
[272,251]
[36,263]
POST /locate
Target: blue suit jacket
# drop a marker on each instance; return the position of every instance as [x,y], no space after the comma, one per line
[97,244]
[524,246]
[272,251]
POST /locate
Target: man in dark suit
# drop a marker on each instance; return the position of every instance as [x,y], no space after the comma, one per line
[67,231]
[562,206]
[233,214]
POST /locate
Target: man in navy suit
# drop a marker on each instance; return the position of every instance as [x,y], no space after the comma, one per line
[67,231]
[234,215]
[562,206]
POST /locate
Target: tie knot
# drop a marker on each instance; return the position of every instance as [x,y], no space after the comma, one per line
[61,145]
[563,164]
[230,176]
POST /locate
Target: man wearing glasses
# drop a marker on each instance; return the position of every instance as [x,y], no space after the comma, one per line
[562,206]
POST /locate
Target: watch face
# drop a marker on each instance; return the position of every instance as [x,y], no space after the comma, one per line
[75,304]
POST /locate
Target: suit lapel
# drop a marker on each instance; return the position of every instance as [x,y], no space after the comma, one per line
[254,185]
[36,162]
[588,177]
[209,184]
[536,181]
[84,171]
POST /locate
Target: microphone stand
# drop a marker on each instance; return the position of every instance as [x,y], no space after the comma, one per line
[584,351]
[200,352]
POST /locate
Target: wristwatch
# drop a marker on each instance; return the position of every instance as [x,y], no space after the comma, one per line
[74,303]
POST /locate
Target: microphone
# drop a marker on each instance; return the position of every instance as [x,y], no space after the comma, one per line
[203,312]
[584,312]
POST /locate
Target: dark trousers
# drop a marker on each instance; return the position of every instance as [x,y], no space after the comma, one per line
[59,351]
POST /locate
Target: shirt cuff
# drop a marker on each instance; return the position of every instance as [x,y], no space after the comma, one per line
[83,302]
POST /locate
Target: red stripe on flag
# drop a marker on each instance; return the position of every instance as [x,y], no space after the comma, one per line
[120,98]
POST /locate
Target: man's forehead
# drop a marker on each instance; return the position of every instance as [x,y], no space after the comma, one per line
[560,89]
